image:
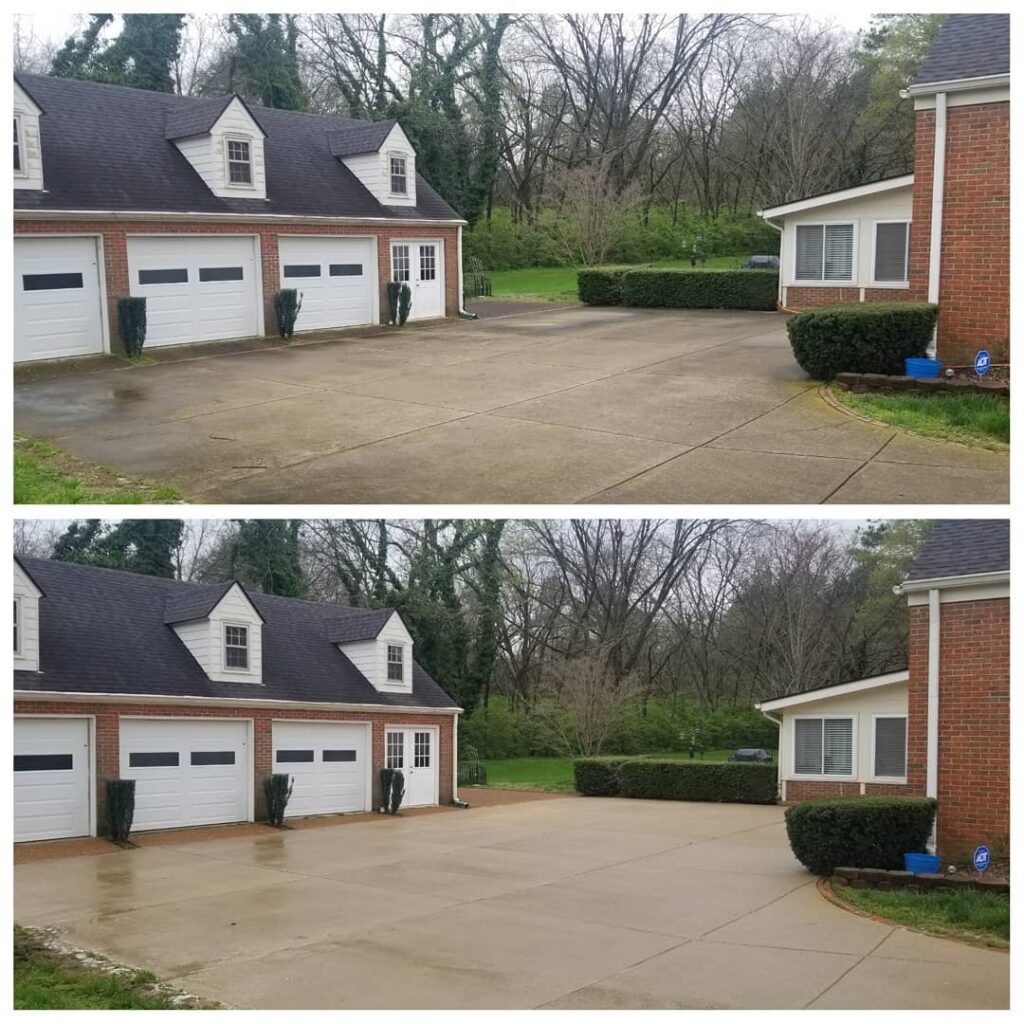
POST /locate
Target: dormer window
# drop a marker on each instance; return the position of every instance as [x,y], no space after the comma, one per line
[236,648]
[399,176]
[396,663]
[18,163]
[239,162]
[17,625]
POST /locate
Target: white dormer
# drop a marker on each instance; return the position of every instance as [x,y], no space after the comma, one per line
[388,172]
[386,658]
[224,634]
[26,621]
[28,152]
[225,148]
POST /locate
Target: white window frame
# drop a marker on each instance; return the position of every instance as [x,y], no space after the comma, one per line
[906,255]
[248,647]
[19,626]
[22,171]
[405,174]
[251,183]
[854,263]
[408,256]
[832,776]
[388,647]
[895,779]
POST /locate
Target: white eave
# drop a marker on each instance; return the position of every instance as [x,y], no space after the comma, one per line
[858,192]
[978,579]
[839,690]
[275,218]
[959,85]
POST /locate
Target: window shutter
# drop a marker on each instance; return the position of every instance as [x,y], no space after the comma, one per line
[838,746]
[809,240]
[890,748]
[807,743]
[839,252]
[891,252]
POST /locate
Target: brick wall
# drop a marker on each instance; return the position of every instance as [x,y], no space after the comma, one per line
[800,297]
[804,789]
[974,284]
[974,722]
[115,252]
[108,735]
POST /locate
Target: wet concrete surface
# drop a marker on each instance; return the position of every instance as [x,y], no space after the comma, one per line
[561,902]
[568,404]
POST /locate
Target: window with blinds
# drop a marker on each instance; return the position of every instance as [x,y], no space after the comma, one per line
[823,746]
[890,748]
[891,240]
[824,252]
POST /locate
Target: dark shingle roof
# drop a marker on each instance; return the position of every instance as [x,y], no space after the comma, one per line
[963,547]
[968,46]
[195,603]
[103,631]
[367,138]
[196,118]
[105,147]
[357,626]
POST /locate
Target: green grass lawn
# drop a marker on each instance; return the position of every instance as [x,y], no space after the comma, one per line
[558,284]
[45,980]
[44,475]
[978,916]
[554,774]
[980,420]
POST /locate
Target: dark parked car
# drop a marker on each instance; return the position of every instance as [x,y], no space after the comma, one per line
[761,263]
[750,754]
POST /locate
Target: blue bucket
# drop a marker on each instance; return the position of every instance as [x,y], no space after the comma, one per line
[920,863]
[922,367]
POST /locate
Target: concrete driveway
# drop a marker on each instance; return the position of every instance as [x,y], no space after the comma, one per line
[576,903]
[550,406]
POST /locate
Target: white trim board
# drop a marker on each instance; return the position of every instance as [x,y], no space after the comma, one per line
[889,185]
[839,690]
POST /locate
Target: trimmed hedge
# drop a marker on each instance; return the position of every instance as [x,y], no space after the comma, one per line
[601,287]
[701,289]
[861,338]
[858,832]
[678,780]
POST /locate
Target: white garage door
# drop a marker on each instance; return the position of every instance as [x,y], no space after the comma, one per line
[336,276]
[57,309]
[196,289]
[52,771]
[329,764]
[187,772]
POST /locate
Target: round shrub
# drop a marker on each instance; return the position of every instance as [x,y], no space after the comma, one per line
[861,338]
[858,832]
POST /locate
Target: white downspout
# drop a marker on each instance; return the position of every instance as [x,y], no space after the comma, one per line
[932,748]
[780,781]
[463,312]
[938,191]
[455,718]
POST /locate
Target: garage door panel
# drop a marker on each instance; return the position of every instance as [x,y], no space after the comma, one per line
[336,277]
[57,304]
[328,763]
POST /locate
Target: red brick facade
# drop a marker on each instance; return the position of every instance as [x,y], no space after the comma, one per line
[115,251]
[803,789]
[974,281]
[802,297]
[974,722]
[107,736]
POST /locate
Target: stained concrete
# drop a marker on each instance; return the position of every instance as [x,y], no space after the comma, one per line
[599,903]
[551,405]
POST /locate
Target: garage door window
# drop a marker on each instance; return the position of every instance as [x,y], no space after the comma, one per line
[236,647]
[395,750]
[205,757]
[294,756]
[339,755]
[43,763]
[51,282]
[145,759]
[173,275]
[221,274]
[346,270]
[302,270]
[823,746]
[400,263]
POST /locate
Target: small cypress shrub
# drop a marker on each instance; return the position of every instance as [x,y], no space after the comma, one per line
[595,777]
[278,791]
[701,289]
[404,303]
[120,807]
[858,832]
[864,337]
[394,290]
[131,324]
[287,305]
[397,792]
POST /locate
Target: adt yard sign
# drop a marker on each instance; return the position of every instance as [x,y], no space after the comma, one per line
[981,858]
[982,361]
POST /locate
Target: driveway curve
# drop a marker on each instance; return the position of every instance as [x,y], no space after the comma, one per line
[568,903]
[559,405]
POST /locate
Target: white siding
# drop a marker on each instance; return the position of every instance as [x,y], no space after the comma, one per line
[364,656]
[31,175]
[26,593]
[373,169]
[205,638]
[370,656]
[208,154]
[196,637]
[862,707]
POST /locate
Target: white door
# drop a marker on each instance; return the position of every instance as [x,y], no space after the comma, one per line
[422,265]
[52,772]
[186,771]
[414,753]
[337,278]
[57,309]
[196,288]
[329,764]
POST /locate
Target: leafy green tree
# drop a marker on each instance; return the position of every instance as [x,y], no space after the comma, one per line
[264,62]
[266,553]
